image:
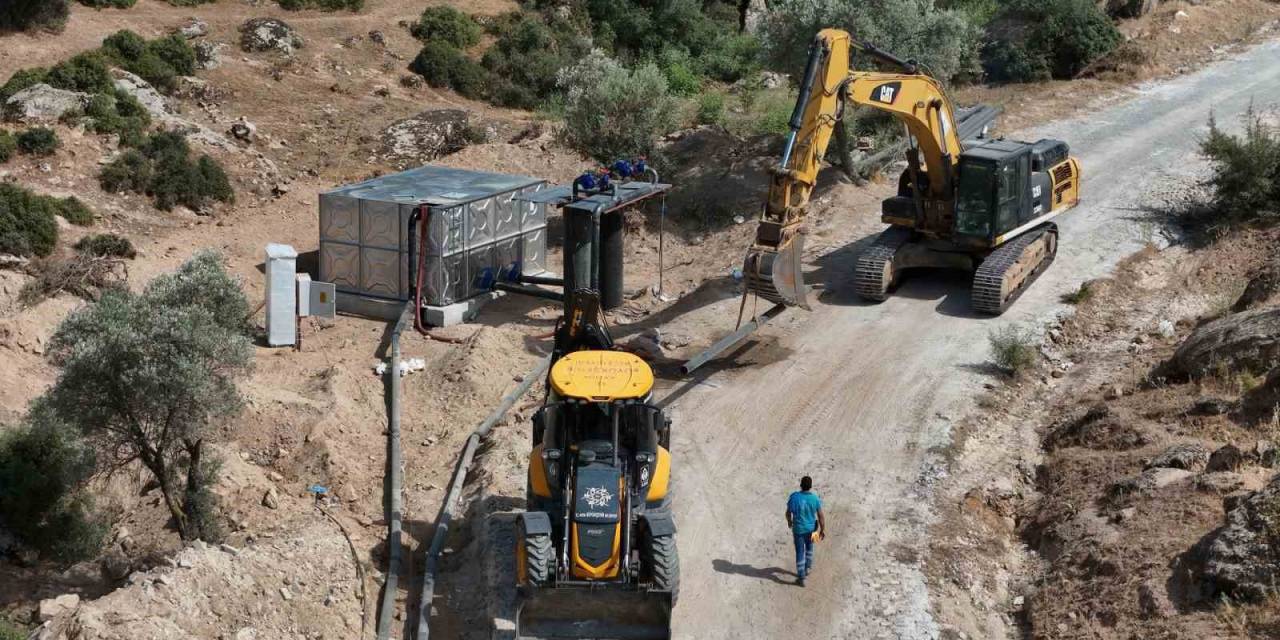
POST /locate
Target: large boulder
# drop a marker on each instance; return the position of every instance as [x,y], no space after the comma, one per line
[1242,558]
[1249,340]
[43,103]
[1188,455]
[143,92]
[426,136]
[269,34]
[1262,289]
[1128,8]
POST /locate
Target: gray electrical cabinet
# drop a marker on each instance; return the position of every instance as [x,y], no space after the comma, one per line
[478,231]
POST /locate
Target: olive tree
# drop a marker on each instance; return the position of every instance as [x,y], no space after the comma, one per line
[145,377]
[612,112]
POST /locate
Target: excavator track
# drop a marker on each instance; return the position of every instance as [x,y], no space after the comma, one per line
[873,275]
[1006,273]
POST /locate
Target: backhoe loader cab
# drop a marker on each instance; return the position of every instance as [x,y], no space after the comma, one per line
[596,555]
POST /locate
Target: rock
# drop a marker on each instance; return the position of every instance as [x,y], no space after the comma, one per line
[1166,329]
[427,136]
[1149,481]
[56,607]
[1189,456]
[1266,453]
[271,499]
[247,633]
[243,130]
[1153,600]
[194,28]
[774,80]
[412,81]
[1114,392]
[381,91]
[1227,458]
[209,54]
[1211,407]
[1181,15]
[1249,340]
[1128,8]
[143,92]
[285,594]
[377,37]
[1262,287]
[226,548]
[1262,403]
[43,103]
[1220,482]
[1241,558]
[269,34]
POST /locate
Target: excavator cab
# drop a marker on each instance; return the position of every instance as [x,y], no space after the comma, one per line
[1003,185]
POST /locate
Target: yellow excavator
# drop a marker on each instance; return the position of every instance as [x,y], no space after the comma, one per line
[985,207]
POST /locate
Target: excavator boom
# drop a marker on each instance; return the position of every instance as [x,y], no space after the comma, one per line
[773,265]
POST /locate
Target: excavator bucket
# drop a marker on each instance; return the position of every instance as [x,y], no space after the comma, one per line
[598,614]
[775,275]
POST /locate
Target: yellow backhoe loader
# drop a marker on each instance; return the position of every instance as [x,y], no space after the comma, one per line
[985,207]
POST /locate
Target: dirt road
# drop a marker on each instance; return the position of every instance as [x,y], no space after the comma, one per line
[866,395]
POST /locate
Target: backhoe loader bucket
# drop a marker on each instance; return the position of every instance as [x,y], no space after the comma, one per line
[775,275]
[598,614]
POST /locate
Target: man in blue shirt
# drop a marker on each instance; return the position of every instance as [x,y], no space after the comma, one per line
[804,516]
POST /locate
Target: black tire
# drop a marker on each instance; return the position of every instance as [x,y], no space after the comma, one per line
[662,564]
[539,562]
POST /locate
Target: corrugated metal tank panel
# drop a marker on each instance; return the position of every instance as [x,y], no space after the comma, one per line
[477,232]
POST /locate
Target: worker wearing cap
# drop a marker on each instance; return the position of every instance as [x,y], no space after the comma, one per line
[804,516]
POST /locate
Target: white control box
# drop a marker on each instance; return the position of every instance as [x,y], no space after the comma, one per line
[282,297]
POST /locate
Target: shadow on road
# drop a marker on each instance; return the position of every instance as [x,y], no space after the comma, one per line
[772,573]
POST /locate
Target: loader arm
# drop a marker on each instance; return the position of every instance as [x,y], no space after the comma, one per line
[772,267]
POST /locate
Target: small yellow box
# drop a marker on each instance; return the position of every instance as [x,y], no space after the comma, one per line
[601,376]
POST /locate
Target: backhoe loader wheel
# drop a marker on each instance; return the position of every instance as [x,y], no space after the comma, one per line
[662,564]
[534,560]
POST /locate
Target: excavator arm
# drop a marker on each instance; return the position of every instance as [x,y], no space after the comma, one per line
[772,267]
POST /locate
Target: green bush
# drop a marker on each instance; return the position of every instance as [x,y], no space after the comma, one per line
[38,141]
[163,168]
[149,377]
[44,467]
[10,631]
[106,245]
[446,66]
[7,146]
[1246,172]
[943,40]
[731,57]
[677,68]
[612,112]
[21,79]
[1012,348]
[76,212]
[710,108]
[158,61]
[1062,36]
[109,4]
[448,25]
[323,5]
[86,72]
[116,112]
[32,15]
[27,226]
[526,57]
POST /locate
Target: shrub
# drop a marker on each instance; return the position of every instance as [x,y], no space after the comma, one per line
[124,45]
[21,79]
[731,57]
[775,120]
[677,68]
[526,58]
[116,112]
[109,4]
[44,468]
[148,377]
[31,15]
[74,211]
[448,25]
[1079,296]
[1062,36]
[82,275]
[158,61]
[7,146]
[942,40]
[1246,172]
[1012,348]
[710,108]
[86,72]
[10,631]
[27,226]
[612,112]
[107,245]
[163,168]
[446,66]
[38,141]
[323,5]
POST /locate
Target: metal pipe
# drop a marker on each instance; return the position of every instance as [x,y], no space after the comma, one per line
[547,280]
[595,248]
[445,517]
[816,51]
[394,481]
[731,339]
[529,291]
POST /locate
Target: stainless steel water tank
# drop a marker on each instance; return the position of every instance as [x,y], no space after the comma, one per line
[477,232]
